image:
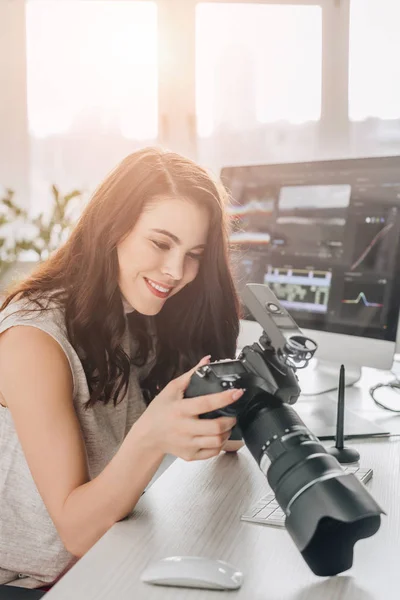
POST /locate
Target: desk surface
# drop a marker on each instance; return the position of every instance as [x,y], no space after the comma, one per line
[195,508]
[357,399]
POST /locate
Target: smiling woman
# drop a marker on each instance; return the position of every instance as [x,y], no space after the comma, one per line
[165,260]
[97,348]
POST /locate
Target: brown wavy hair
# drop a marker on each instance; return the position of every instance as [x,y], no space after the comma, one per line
[82,278]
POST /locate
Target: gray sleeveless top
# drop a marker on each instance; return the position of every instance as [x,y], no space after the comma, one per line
[31,551]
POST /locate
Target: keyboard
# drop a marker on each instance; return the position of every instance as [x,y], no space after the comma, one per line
[268,512]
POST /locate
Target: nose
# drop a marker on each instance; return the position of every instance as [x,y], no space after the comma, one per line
[173,266]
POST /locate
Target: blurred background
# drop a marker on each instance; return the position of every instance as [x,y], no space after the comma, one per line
[85,82]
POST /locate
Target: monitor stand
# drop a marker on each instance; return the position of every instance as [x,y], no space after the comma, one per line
[323,376]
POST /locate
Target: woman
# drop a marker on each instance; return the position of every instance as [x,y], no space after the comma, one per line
[114,321]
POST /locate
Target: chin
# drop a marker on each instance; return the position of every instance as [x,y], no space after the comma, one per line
[150,313]
[149,309]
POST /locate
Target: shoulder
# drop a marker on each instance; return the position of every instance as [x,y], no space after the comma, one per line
[29,333]
[30,358]
[26,311]
[19,344]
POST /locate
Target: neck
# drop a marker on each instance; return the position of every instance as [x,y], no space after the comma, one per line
[127,307]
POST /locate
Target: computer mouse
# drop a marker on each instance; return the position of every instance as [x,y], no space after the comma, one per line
[194,572]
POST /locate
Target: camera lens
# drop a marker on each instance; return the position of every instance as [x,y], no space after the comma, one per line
[327,510]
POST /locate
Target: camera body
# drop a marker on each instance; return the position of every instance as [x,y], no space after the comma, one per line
[265,368]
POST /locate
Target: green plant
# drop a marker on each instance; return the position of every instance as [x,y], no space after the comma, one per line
[39,235]
[10,214]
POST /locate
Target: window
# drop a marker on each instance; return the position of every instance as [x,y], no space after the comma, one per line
[91,87]
[231,82]
[258,70]
[374,69]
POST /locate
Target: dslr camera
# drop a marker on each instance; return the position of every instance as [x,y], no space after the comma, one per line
[327,510]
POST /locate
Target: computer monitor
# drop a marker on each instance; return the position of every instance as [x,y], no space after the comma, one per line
[324,236]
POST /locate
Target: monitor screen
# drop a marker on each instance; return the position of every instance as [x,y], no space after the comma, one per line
[325,237]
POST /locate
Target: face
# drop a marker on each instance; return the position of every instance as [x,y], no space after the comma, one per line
[162,253]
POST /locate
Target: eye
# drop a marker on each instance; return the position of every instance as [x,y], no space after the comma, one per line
[161,245]
[195,256]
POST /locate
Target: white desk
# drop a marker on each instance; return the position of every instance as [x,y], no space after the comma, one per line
[194,509]
[358,399]
[323,408]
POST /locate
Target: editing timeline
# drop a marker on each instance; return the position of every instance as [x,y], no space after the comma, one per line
[300,289]
[363,302]
[351,289]
[325,237]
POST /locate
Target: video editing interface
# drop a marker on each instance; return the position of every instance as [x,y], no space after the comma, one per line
[325,237]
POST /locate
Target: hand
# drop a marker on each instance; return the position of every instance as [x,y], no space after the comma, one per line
[232,445]
[172,422]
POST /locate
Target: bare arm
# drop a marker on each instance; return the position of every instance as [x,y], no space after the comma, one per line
[36,384]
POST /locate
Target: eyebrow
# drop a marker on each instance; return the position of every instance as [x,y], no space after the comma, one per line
[174,238]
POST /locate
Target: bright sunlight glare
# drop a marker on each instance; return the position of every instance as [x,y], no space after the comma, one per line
[257,63]
[92,59]
[95,65]
[374,80]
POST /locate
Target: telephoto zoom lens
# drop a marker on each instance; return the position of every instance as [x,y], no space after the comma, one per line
[327,510]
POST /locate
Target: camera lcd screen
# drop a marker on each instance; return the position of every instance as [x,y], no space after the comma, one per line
[233,367]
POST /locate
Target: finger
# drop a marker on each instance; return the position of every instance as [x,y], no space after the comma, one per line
[212,426]
[204,404]
[184,380]
[204,361]
[212,441]
[232,445]
[205,453]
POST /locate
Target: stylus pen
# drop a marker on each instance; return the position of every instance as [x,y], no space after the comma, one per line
[340,412]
